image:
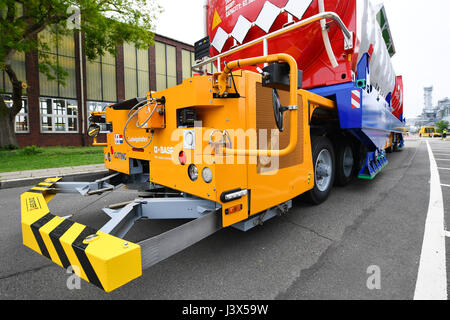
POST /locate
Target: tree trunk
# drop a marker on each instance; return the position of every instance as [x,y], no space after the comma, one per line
[8,115]
[7,134]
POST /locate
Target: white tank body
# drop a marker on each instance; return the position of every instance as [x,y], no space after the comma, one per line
[382,74]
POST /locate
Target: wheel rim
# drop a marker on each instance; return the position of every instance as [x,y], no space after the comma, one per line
[323,171]
[348,161]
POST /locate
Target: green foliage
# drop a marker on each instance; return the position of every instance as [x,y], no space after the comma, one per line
[105,24]
[441,125]
[49,157]
[31,150]
[9,147]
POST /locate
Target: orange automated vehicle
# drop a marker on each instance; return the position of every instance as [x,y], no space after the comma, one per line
[225,149]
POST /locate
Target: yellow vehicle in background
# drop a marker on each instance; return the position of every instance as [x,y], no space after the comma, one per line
[429,132]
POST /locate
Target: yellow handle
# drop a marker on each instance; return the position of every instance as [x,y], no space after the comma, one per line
[98,144]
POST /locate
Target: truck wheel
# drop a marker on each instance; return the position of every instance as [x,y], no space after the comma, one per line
[395,147]
[324,168]
[345,164]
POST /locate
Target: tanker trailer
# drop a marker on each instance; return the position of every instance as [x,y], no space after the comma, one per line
[353,69]
[304,97]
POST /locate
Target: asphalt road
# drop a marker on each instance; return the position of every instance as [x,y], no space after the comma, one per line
[323,252]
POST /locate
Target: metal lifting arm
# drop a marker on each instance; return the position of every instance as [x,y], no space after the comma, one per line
[293,107]
[102,257]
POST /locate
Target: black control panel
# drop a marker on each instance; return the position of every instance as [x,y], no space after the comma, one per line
[277,76]
[186,117]
[201,48]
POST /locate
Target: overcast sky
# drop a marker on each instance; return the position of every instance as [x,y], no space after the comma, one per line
[421,32]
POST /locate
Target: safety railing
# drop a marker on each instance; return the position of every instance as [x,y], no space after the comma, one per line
[348,37]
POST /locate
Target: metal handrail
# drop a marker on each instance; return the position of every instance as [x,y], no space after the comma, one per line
[318,17]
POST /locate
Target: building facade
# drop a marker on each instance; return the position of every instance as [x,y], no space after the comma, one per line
[444,110]
[431,114]
[428,98]
[56,112]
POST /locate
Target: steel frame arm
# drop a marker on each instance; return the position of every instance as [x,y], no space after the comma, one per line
[102,257]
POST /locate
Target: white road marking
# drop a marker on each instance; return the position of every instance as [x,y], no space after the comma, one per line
[442,159]
[444,168]
[432,276]
[447,234]
[441,154]
[445,185]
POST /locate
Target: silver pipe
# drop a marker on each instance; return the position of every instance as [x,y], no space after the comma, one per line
[265,49]
[326,38]
[205,19]
[83,111]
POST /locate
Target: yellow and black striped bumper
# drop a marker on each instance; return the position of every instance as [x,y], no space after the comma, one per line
[99,258]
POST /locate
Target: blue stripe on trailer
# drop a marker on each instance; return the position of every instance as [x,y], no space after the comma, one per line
[368,118]
[349,118]
[373,121]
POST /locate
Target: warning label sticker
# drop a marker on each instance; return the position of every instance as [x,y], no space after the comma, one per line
[233,6]
[216,20]
[33,204]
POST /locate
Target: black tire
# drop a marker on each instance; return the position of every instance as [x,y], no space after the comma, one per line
[317,196]
[395,147]
[344,174]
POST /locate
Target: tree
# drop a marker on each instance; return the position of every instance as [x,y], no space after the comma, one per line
[441,125]
[104,24]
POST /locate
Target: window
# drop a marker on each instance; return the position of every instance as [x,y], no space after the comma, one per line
[62,53]
[18,65]
[18,59]
[137,82]
[58,115]
[22,121]
[95,106]
[166,66]
[211,68]
[101,78]
[187,61]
